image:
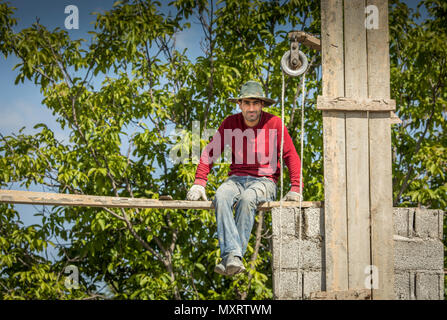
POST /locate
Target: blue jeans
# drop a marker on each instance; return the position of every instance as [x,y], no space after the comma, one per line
[246,192]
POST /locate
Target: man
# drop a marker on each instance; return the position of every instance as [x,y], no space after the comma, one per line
[255,140]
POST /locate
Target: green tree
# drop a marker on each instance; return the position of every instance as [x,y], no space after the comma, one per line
[150,87]
[418,81]
[153,254]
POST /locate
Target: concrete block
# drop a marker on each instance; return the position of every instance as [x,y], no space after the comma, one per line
[311,255]
[428,286]
[420,285]
[287,285]
[442,285]
[400,217]
[426,223]
[313,223]
[306,255]
[441,224]
[312,282]
[288,250]
[418,254]
[288,222]
[402,285]
[411,222]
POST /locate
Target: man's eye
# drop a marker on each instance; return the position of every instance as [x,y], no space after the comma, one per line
[255,103]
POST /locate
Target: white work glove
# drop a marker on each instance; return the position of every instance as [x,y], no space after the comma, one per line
[196,192]
[292,196]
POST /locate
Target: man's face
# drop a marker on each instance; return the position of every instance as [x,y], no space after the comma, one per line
[251,110]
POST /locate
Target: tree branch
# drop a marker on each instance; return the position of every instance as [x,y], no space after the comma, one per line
[418,146]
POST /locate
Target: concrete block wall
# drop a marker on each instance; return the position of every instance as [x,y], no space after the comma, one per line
[298,251]
[419,254]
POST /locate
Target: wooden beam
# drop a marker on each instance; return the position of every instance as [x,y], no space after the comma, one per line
[351,104]
[357,151]
[381,190]
[335,218]
[77,200]
[359,294]
[306,39]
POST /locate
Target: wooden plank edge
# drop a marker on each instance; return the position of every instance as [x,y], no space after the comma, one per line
[394,118]
[75,200]
[353,294]
[352,104]
[306,39]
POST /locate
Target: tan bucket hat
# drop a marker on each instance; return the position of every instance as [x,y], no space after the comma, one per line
[253,89]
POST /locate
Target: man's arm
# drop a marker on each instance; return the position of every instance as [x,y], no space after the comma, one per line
[209,155]
[211,152]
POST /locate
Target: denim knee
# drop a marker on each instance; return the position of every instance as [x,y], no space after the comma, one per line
[223,196]
[247,201]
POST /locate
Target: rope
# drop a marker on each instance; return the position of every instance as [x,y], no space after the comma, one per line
[281,183]
[303,97]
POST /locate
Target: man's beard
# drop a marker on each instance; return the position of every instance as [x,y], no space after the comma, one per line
[252,116]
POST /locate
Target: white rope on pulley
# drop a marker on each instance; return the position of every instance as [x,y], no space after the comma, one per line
[303,97]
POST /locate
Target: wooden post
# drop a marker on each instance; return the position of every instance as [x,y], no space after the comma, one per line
[356,126]
[334,147]
[381,189]
[357,148]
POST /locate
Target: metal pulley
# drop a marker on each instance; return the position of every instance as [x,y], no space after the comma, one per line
[294,62]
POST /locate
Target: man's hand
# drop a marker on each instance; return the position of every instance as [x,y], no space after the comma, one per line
[292,196]
[196,192]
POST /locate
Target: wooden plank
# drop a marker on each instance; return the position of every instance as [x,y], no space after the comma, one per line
[291,204]
[335,218]
[306,39]
[357,153]
[382,244]
[350,104]
[394,118]
[77,200]
[355,294]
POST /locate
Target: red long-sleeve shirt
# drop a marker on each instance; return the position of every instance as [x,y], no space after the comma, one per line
[255,151]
